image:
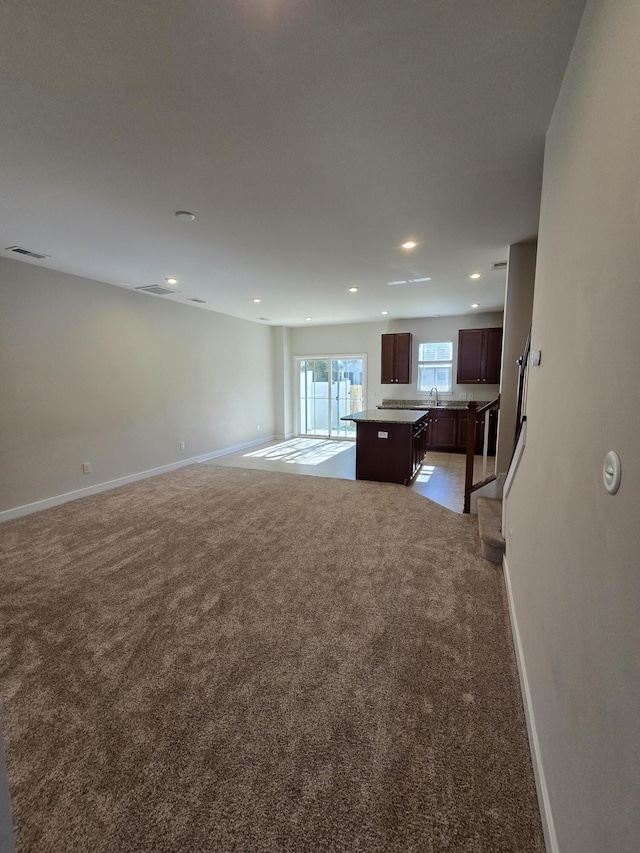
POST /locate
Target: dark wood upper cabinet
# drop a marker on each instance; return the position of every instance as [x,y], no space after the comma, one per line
[479,356]
[396,359]
[470,342]
[493,356]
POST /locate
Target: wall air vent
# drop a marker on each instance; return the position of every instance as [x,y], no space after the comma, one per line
[199,301]
[29,254]
[159,290]
[499,265]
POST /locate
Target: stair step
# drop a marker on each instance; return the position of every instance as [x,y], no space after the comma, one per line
[492,544]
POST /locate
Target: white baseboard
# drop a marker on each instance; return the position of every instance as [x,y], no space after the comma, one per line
[56,500]
[546,815]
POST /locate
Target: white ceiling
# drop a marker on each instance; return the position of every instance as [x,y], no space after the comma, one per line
[309,138]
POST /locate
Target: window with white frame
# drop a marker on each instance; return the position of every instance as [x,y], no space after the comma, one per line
[435,366]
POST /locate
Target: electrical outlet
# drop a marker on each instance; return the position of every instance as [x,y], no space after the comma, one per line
[258,427]
[182,445]
[86,467]
[463,395]
[471,395]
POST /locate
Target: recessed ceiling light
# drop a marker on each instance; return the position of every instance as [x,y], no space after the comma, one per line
[353,290]
[476,275]
[171,280]
[256,299]
[384,312]
[475,305]
[409,244]
[308,318]
[185,216]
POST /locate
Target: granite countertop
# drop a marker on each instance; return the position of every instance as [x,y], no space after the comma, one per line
[424,408]
[426,405]
[387,416]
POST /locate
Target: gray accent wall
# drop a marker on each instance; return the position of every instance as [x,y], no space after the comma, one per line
[94,373]
[573,550]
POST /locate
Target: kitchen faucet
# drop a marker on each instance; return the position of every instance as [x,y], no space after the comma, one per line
[431,394]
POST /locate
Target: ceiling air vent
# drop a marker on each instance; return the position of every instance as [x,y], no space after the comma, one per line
[266,319]
[20,251]
[407,281]
[159,290]
[499,265]
[199,301]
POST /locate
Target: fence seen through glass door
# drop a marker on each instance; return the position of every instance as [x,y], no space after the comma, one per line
[330,388]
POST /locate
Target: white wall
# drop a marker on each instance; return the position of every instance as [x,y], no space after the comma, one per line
[573,549]
[95,373]
[283,382]
[365,338]
[518,310]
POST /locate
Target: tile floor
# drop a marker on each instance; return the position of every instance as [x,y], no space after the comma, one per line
[441,477]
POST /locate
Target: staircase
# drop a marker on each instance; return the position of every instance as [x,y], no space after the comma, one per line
[492,544]
[473,421]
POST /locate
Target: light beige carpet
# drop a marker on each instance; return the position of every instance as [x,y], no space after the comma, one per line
[221,659]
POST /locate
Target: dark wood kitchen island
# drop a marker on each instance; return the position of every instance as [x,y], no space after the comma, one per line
[390,444]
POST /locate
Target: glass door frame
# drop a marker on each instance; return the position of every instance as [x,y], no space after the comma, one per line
[331,400]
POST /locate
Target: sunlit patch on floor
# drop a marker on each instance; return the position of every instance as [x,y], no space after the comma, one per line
[425,473]
[302,451]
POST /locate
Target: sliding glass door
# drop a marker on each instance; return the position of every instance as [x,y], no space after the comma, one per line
[329,389]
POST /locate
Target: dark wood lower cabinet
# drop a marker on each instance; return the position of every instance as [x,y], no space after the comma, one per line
[420,434]
[443,430]
[390,452]
[448,431]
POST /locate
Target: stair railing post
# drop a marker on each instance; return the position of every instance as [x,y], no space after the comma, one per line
[471,449]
